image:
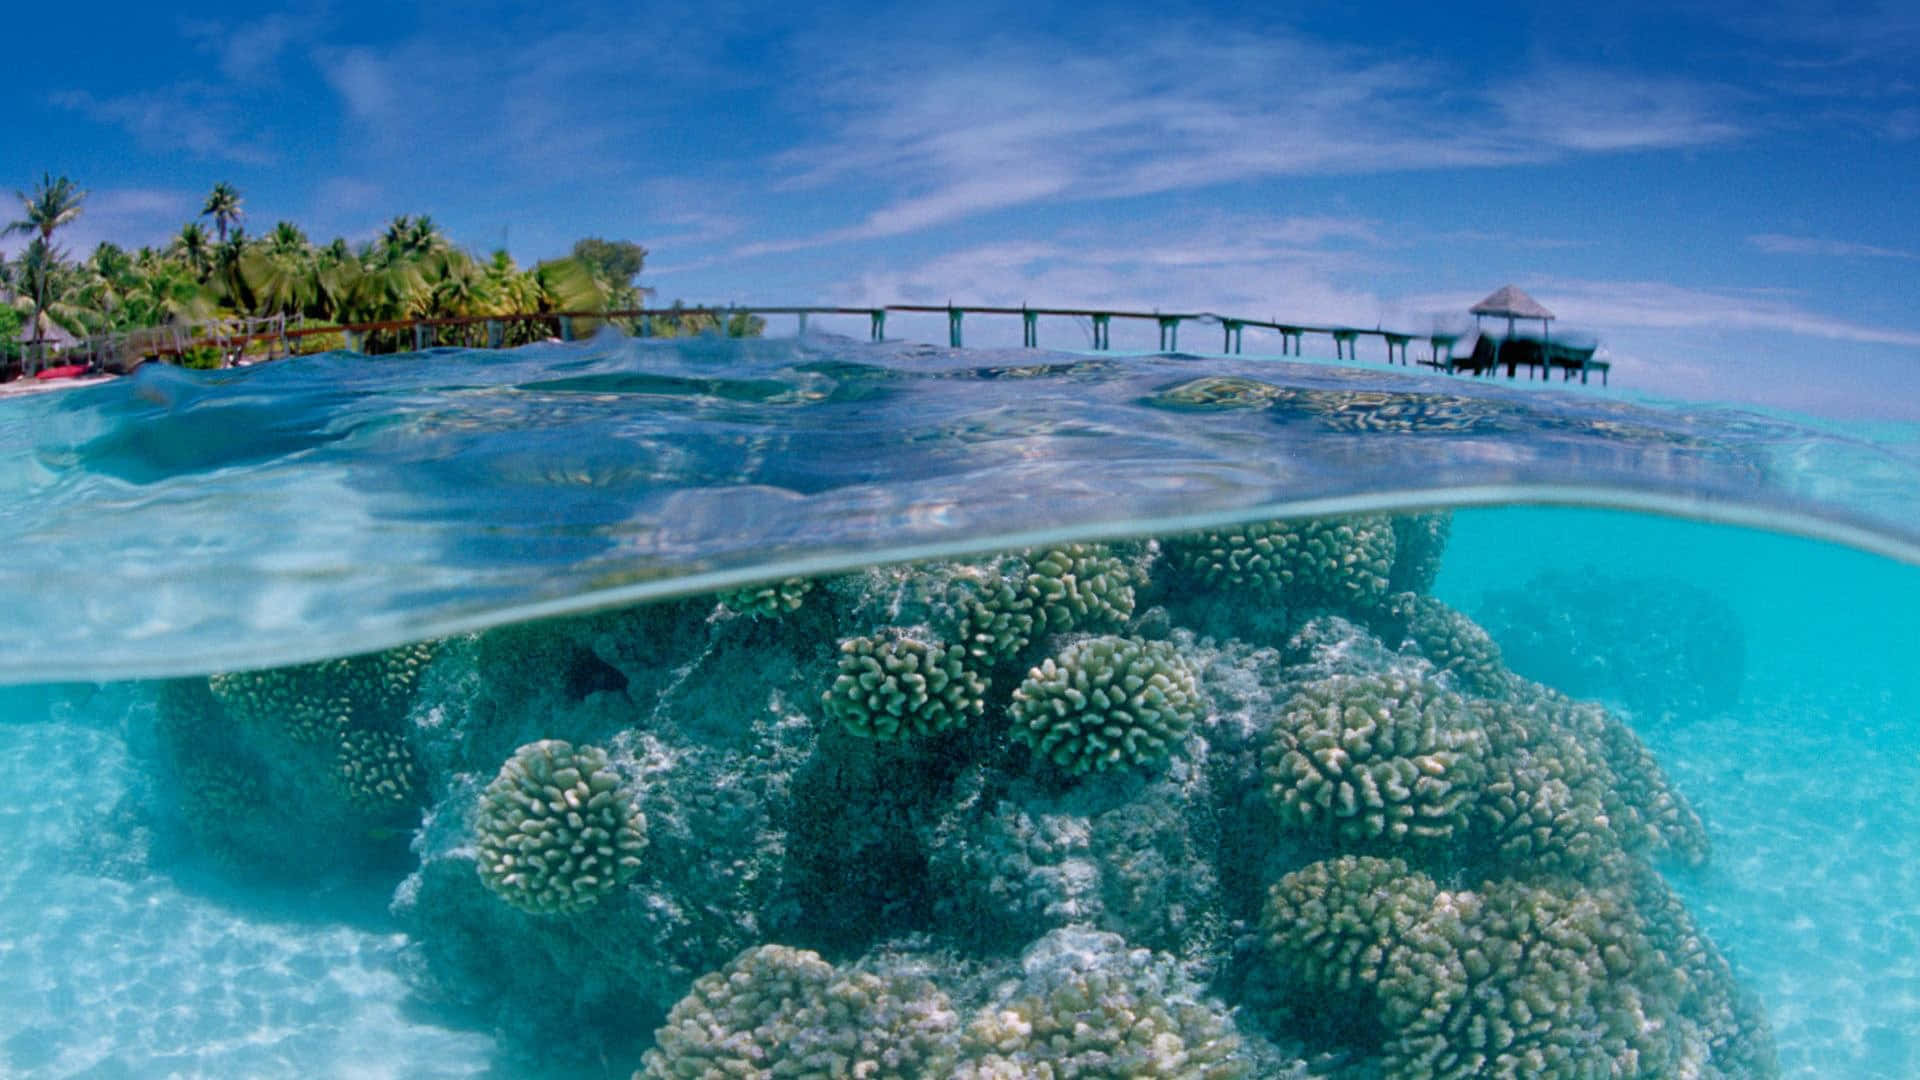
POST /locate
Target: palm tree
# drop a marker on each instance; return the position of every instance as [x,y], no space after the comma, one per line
[223,206]
[191,248]
[55,202]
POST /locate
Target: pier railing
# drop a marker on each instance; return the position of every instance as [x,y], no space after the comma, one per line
[278,336]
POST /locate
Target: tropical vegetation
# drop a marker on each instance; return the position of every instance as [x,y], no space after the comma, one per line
[410,271]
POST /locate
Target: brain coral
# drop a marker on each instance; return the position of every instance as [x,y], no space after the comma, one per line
[1344,561]
[1511,981]
[998,617]
[768,600]
[777,1011]
[1419,542]
[1371,757]
[555,831]
[1079,587]
[1106,703]
[1089,1007]
[1453,642]
[896,686]
[377,770]
[316,702]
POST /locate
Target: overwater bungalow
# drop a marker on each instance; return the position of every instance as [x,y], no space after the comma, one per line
[1488,352]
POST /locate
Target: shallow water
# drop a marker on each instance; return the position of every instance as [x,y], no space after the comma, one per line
[187,886]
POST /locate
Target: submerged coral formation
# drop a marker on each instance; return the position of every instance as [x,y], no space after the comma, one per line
[555,830]
[1080,587]
[769,600]
[778,1011]
[1106,703]
[1383,757]
[1511,980]
[898,686]
[1247,802]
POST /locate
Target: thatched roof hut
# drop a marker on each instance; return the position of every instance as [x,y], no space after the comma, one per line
[1509,301]
[46,333]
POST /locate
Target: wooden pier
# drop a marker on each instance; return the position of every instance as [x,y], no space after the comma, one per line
[274,337]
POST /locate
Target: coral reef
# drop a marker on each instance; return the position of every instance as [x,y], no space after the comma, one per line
[1453,642]
[555,831]
[1089,1006]
[1106,703]
[1420,541]
[377,771]
[898,686]
[1510,980]
[1383,757]
[1244,802]
[1080,587]
[777,1011]
[770,600]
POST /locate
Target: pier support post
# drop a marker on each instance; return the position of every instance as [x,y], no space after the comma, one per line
[566,328]
[496,333]
[1345,345]
[878,317]
[803,324]
[953,325]
[1102,332]
[1231,344]
[1169,333]
[349,342]
[1029,328]
[419,336]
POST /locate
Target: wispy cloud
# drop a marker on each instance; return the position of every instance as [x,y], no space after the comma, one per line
[1287,268]
[129,217]
[1591,110]
[1012,123]
[1604,305]
[200,119]
[1782,244]
[251,51]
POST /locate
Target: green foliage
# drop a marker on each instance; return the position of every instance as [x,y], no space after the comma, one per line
[555,831]
[1107,703]
[202,358]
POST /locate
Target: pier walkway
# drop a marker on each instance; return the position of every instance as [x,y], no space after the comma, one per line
[278,336]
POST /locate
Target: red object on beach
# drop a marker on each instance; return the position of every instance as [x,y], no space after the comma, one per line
[64,371]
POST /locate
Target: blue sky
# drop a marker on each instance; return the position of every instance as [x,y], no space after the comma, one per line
[1724,193]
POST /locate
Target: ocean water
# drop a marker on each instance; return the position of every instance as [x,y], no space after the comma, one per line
[949,713]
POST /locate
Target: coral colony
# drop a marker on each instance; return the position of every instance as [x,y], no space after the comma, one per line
[1247,802]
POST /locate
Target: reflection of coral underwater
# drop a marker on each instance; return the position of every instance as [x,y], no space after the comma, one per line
[1241,803]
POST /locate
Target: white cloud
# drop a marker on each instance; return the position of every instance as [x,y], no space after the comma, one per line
[129,217]
[193,117]
[949,135]
[1781,244]
[1600,111]
[1605,305]
[364,81]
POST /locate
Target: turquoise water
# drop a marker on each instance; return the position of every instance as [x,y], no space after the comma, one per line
[275,874]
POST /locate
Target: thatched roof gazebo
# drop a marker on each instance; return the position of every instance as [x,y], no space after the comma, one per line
[1514,304]
[42,336]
